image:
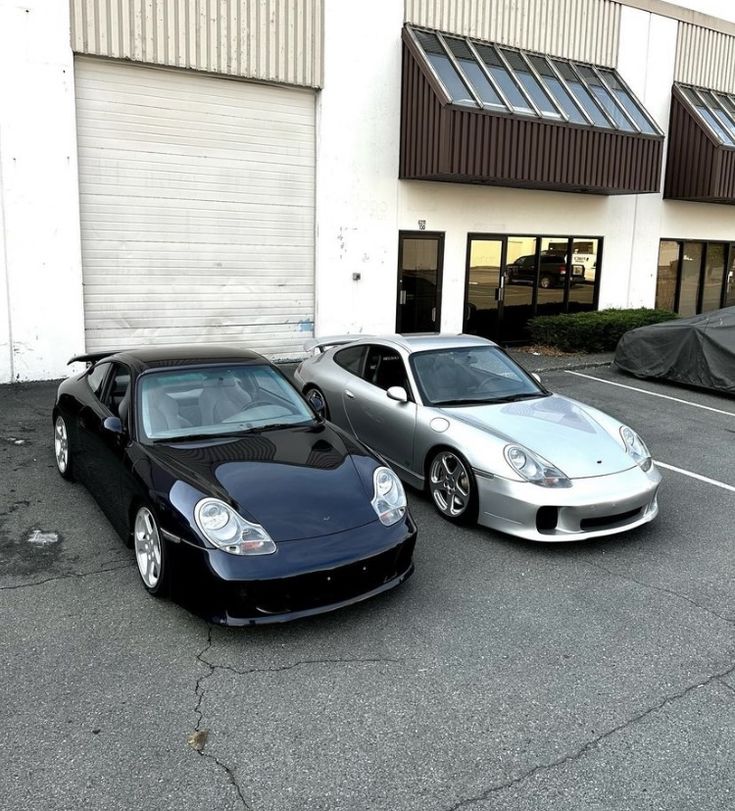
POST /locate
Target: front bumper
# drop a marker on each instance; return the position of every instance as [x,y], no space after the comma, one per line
[301,579]
[590,508]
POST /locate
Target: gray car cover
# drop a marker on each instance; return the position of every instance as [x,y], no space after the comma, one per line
[696,351]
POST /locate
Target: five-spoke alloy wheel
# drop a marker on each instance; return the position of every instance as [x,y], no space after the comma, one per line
[452,487]
[62,450]
[149,552]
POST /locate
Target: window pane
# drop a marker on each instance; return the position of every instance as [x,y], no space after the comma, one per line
[566,102]
[707,116]
[474,72]
[730,284]
[628,102]
[668,267]
[606,100]
[714,270]
[441,63]
[581,92]
[690,266]
[530,83]
[503,78]
[724,119]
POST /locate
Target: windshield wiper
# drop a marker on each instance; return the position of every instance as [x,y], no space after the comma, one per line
[508,398]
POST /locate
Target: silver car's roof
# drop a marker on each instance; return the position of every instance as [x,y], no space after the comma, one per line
[417,342]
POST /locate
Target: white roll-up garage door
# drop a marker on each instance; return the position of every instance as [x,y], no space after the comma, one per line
[197,209]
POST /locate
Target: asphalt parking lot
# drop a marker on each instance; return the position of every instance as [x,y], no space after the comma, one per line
[502,675]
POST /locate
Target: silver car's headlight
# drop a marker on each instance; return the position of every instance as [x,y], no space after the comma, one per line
[389,497]
[535,468]
[228,530]
[636,448]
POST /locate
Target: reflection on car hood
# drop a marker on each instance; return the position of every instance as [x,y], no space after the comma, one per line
[297,482]
[558,429]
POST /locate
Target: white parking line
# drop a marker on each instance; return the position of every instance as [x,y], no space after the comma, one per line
[651,393]
[696,476]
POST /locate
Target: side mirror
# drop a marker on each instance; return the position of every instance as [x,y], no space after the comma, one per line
[536,377]
[113,425]
[397,393]
[316,401]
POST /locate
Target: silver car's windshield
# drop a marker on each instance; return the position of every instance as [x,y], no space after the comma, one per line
[189,403]
[471,375]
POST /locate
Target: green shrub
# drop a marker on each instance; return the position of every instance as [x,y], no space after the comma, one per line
[596,331]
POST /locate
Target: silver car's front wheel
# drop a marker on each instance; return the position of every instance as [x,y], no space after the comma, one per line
[149,552]
[452,487]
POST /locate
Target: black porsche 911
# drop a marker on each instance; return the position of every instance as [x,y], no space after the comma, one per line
[237,497]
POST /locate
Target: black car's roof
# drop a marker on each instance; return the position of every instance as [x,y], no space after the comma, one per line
[149,357]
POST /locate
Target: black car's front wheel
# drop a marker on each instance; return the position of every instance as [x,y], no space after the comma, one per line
[150,553]
[452,487]
[62,449]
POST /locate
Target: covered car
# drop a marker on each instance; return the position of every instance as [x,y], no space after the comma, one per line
[696,351]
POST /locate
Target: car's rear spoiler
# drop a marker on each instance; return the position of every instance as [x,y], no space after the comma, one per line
[322,344]
[91,357]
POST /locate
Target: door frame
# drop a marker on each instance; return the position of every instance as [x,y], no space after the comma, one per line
[439,236]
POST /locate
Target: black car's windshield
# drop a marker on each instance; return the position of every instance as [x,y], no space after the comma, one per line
[471,376]
[198,403]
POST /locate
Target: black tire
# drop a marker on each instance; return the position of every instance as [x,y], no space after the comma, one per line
[311,391]
[151,556]
[451,486]
[62,449]
[546,282]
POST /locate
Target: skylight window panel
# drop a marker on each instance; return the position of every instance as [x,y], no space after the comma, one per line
[583,95]
[442,64]
[524,75]
[474,73]
[602,94]
[504,80]
[557,89]
[628,102]
[726,120]
[707,116]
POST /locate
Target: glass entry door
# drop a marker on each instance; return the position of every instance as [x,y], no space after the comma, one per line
[485,283]
[420,256]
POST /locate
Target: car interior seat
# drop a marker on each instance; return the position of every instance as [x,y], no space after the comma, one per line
[222,398]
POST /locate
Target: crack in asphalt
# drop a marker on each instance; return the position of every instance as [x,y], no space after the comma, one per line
[67,576]
[583,750]
[199,692]
[663,590]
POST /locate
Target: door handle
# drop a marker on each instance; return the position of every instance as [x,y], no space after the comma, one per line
[349,394]
[433,314]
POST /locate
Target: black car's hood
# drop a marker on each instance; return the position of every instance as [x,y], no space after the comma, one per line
[297,482]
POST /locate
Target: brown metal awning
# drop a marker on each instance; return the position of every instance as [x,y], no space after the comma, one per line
[700,165]
[476,112]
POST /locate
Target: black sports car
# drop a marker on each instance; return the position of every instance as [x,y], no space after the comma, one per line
[236,496]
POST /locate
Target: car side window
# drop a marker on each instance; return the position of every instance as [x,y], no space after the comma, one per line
[116,395]
[385,368]
[351,359]
[96,378]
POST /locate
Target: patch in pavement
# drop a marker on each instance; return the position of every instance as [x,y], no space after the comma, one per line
[32,552]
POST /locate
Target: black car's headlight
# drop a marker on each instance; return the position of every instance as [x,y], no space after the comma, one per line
[229,531]
[636,448]
[389,497]
[535,468]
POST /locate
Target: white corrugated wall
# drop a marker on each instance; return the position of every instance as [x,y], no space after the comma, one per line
[577,29]
[270,40]
[705,57]
[197,208]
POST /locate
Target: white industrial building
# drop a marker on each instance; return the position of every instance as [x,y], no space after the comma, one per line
[261,170]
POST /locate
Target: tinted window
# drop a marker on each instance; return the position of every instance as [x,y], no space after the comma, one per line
[350,359]
[441,63]
[385,368]
[118,389]
[529,81]
[506,82]
[557,88]
[96,377]
[582,94]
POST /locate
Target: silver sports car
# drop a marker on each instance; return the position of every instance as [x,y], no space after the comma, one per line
[456,415]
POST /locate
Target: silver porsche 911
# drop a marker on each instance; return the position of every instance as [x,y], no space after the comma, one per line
[456,415]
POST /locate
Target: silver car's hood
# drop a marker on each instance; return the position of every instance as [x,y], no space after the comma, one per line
[557,428]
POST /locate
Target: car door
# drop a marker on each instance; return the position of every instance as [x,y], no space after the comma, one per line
[385,425]
[105,448]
